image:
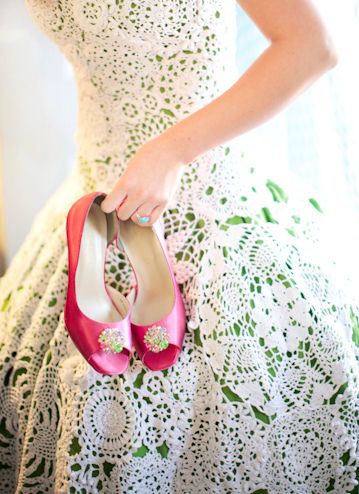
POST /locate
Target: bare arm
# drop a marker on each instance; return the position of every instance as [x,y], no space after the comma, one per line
[300,51]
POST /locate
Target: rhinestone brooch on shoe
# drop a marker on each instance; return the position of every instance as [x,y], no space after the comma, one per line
[156,338]
[111,340]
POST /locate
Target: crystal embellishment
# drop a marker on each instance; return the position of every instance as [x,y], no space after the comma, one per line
[111,340]
[156,338]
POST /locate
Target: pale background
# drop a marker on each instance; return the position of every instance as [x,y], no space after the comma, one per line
[316,137]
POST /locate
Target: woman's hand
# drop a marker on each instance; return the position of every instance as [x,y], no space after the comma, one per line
[148,183]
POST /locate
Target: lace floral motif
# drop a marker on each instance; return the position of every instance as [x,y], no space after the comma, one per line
[263,396]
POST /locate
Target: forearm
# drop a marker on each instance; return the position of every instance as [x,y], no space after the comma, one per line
[278,75]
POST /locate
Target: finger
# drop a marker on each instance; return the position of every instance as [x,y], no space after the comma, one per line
[157,213]
[128,208]
[115,198]
[151,210]
[144,210]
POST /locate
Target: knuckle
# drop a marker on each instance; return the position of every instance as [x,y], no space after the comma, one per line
[160,198]
[141,192]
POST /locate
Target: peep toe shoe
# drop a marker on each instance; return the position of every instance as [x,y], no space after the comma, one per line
[158,318]
[96,315]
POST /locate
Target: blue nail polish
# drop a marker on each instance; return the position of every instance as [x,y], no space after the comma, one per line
[144,219]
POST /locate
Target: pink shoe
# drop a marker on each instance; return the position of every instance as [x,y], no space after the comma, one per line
[158,318]
[96,316]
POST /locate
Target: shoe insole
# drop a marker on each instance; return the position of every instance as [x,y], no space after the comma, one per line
[155,291]
[92,297]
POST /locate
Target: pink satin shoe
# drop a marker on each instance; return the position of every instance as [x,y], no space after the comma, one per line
[96,316]
[158,317]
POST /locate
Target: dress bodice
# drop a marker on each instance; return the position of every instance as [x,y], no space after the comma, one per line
[139,67]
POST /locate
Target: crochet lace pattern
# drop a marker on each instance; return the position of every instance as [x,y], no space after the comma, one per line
[263,399]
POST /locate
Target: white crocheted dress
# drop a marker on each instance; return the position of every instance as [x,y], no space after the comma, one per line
[263,399]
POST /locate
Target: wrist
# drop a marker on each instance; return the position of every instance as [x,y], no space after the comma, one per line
[178,144]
